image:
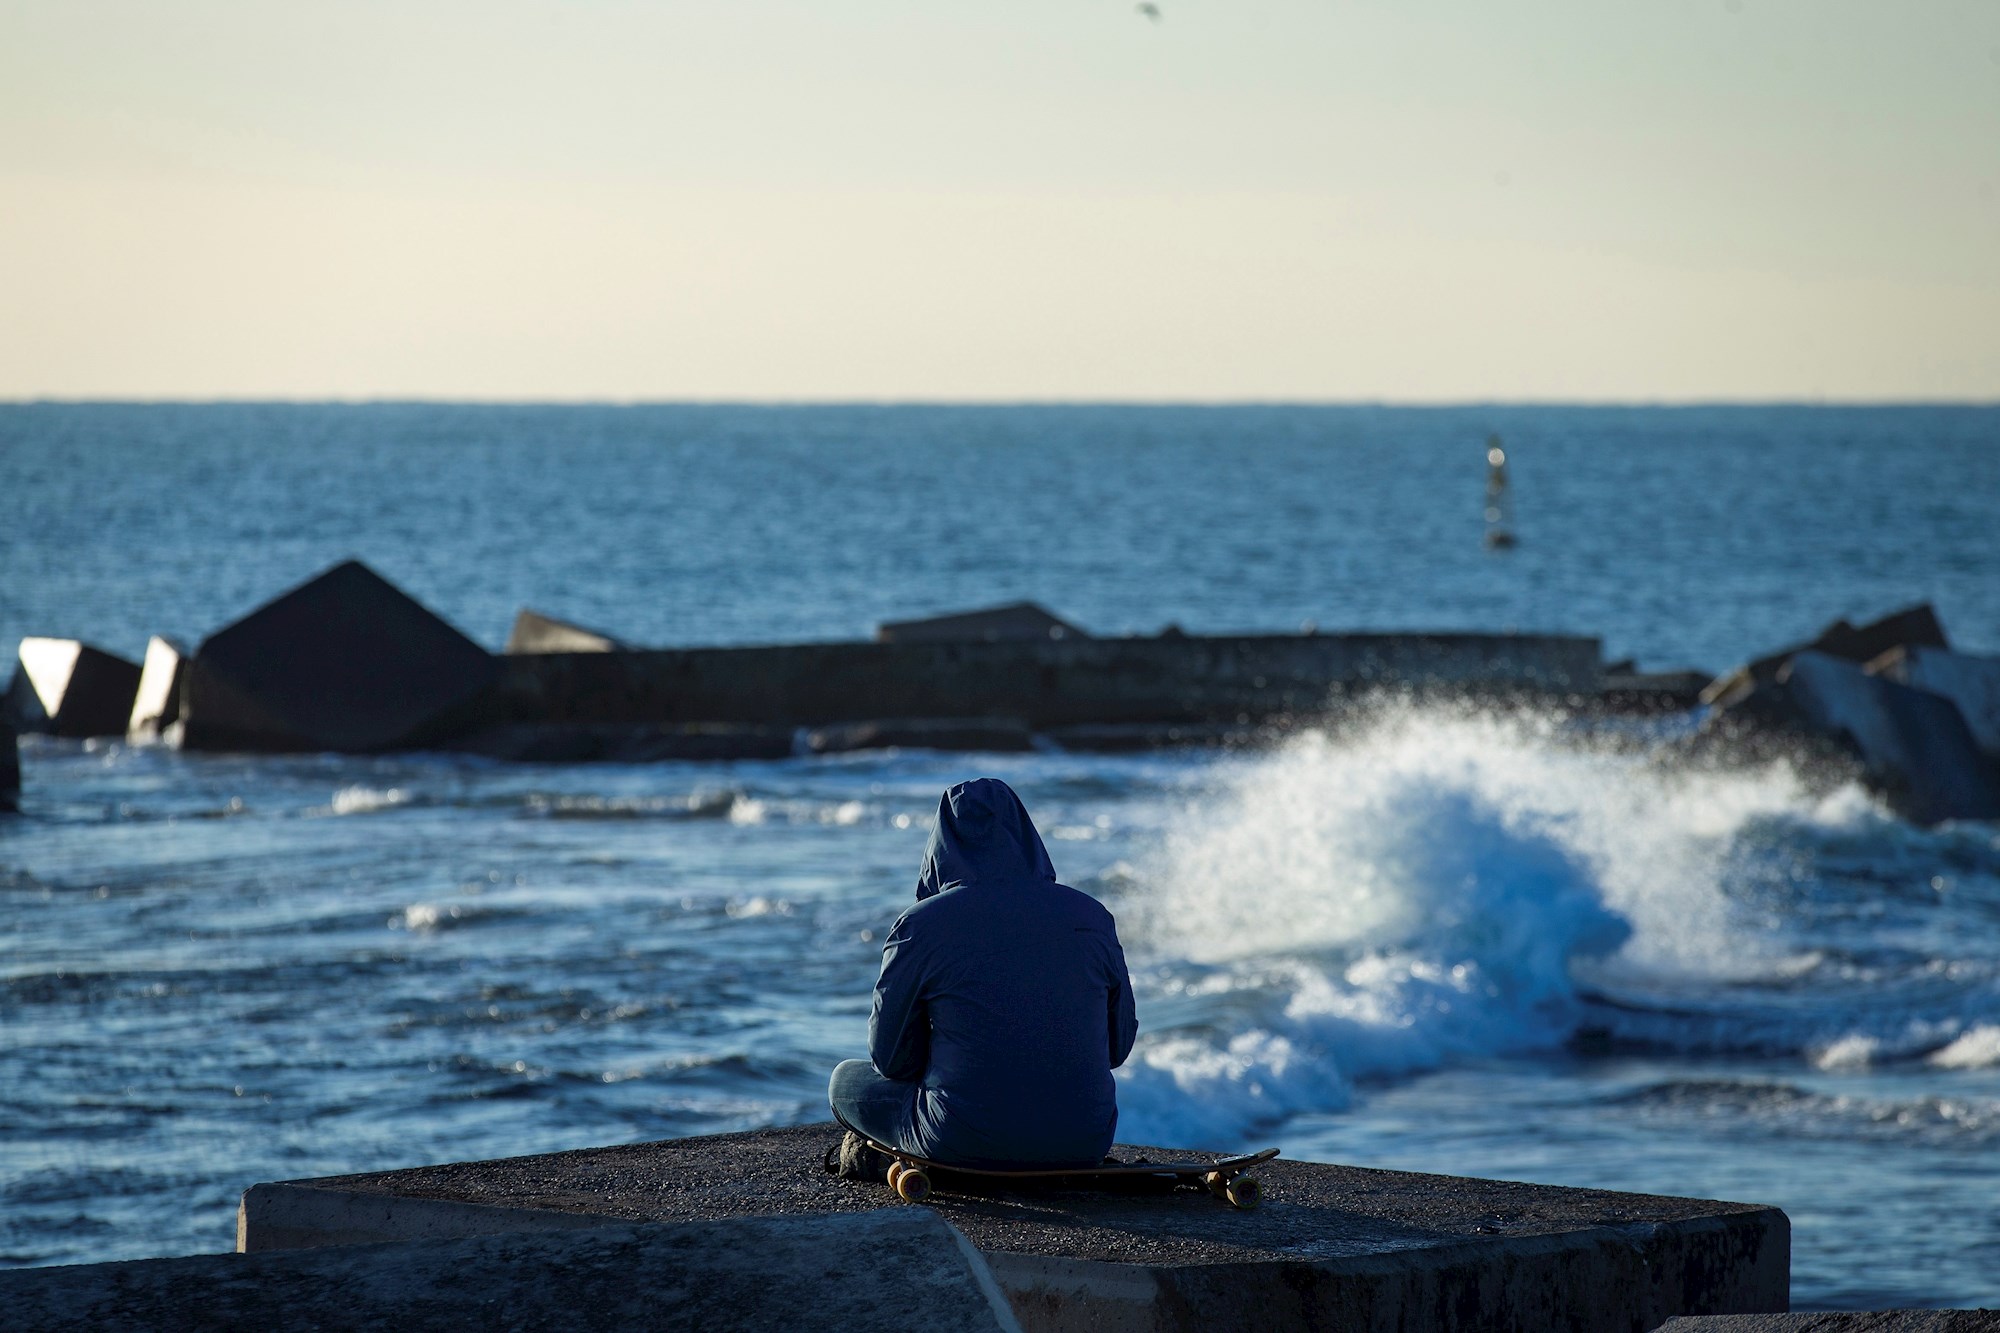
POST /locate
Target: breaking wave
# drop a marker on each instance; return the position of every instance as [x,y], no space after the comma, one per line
[1442,886]
[1783,1110]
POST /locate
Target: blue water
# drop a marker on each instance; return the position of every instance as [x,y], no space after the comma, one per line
[1371,947]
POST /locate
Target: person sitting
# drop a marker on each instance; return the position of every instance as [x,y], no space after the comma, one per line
[1002,1007]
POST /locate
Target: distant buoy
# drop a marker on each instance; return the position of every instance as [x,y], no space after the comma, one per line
[1499,503]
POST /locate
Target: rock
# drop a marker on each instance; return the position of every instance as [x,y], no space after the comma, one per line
[344,662]
[10,770]
[901,1269]
[534,632]
[1971,683]
[1013,622]
[1003,735]
[67,688]
[157,705]
[1913,744]
[1914,626]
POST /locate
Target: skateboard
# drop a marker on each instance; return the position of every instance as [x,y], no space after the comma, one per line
[1226,1177]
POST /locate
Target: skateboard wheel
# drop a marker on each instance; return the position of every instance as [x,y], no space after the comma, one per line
[912,1185]
[895,1173]
[1245,1192]
[1218,1184]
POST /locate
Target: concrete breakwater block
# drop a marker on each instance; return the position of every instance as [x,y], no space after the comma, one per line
[1971,683]
[1914,744]
[67,688]
[1652,691]
[1013,623]
[534,632]
[10,770]
[1331,1248]
[157,705]
[626,743]
[907,1269]
[1137,737]
[1843,1321]
[1001,735]
[1914,626]
[1235,680]
[345,661]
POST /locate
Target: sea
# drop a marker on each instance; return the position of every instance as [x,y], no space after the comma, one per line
[1442,939]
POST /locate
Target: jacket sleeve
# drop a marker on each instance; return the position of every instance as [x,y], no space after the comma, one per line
[1124,1017]
[899,1028]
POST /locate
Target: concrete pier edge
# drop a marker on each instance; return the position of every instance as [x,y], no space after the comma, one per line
[1334,1247]
[909,1268]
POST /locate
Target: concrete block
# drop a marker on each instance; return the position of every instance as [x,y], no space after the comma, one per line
[67,688]
[1224,680]
[1971,683]
[344,662]
[156,707]
[1015,622]
[1002,735]
[1842,1321]
[907,1269]
[534,632]
[1335,1248]
[1913,744]
[10,770]
[1652,691]
[1913,626]
[626,743]
[1137,737]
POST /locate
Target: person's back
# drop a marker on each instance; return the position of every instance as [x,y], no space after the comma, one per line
[1002,1007]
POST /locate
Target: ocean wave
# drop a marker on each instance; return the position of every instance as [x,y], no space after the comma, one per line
[707,803]
[1785,1108]
[1442,885]
[359,800]
[1978,1048]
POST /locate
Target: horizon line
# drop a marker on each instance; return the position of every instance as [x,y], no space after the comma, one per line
[782,403]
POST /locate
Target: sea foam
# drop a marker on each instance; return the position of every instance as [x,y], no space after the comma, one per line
[1434,886]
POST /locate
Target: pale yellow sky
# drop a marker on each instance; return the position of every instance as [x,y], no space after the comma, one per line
[1261,199]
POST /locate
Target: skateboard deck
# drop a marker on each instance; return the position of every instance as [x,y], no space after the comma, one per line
[912,1177]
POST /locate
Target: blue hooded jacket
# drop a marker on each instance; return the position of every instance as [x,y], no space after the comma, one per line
[1003,995]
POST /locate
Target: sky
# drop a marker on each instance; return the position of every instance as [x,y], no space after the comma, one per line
[1307,200]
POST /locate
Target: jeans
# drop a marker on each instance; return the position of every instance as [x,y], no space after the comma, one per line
[872,1106]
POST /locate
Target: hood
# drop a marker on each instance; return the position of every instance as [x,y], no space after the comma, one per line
[982,835]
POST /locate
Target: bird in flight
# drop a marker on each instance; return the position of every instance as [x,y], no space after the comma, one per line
[1149,9]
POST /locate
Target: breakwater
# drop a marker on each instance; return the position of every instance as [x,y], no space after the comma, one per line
[1070,682]
[348,662]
